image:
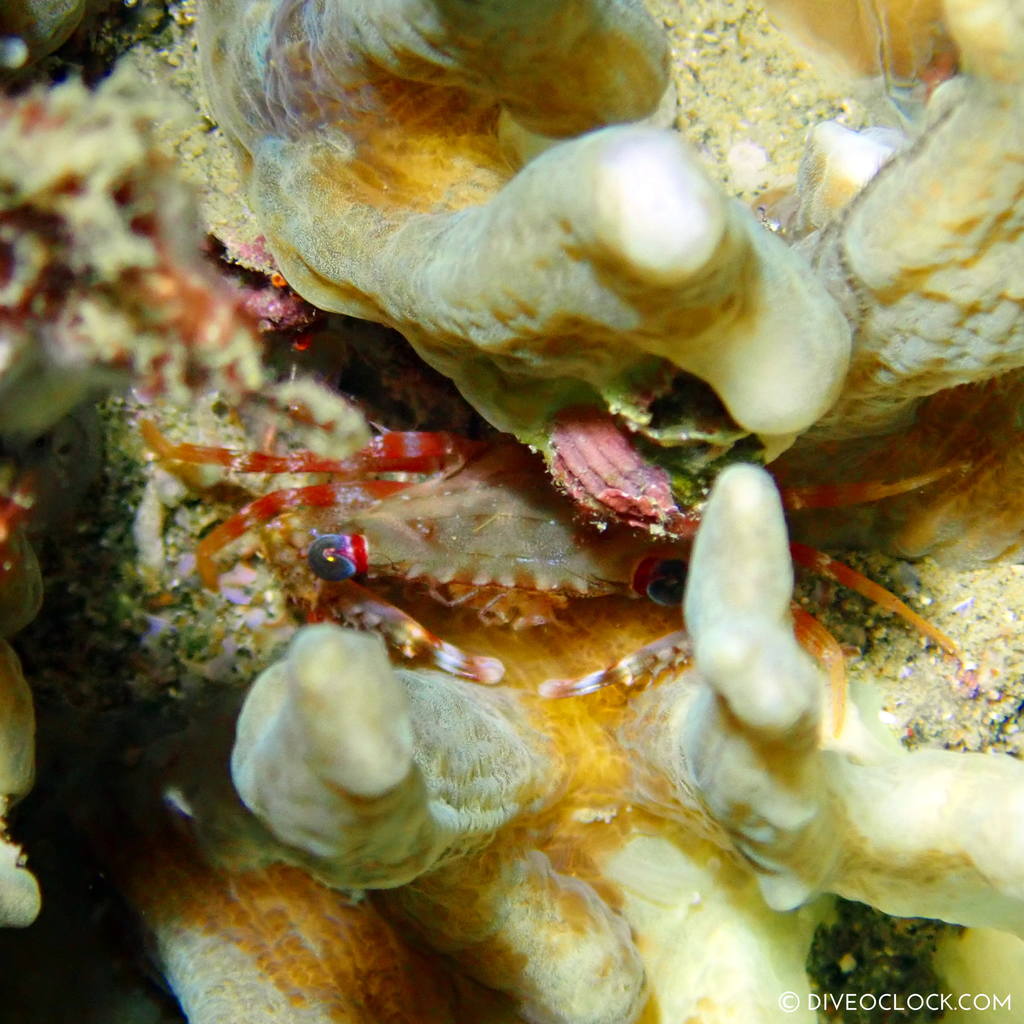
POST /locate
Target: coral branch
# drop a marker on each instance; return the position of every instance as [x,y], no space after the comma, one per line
[929,834]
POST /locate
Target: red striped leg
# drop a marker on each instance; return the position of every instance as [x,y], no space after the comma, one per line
[14,509]
[346,496]
[351,603]
[645,666]
[839,495]
[821,645]
[819,562]
[391,452]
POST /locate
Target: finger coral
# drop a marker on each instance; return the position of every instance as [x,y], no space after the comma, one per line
[594,276]
[929,834]
[19,891]
[352,839]
[374,778]
[927,259]
[447,804]
[20,597]
[608,271]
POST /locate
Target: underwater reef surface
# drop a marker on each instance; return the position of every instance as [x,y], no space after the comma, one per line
[610,857]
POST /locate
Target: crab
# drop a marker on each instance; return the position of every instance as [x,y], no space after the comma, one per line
[481,526]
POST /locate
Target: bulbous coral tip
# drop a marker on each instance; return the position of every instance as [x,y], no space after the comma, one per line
[332,712]
[20,900]
[656,209]
[740,563]
[19,892]
[737,607]
[770,685]
[333,670]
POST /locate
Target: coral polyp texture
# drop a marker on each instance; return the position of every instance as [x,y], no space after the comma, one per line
[607,270]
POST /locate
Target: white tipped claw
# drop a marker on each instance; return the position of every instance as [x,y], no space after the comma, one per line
[489,671]
[474,667]
[639,667]
[556,689]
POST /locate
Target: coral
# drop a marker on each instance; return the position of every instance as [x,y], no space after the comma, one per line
[20,597]
[902,39]
[270,944]
[409,792]
[931,834]
[603,273]
[608,269]
[456,805]
[371,843]
[927,259]
[19,891]
[102,286]
[21,594]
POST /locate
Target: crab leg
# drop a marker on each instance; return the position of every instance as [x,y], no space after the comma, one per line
[394,451]
[674,649]
[839,495]
[818,642]
[819,562]
[265,508]
[645,664]
[356,606]
[14,509]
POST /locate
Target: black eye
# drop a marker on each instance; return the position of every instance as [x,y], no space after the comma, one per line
[330,557]
[667,582]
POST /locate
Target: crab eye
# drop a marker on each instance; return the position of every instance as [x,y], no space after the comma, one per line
[663,580]
[337,556]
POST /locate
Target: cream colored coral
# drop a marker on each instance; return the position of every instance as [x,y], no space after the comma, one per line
[21,593]
[928,260]
[600,270]
[609,262]
[929,834]
[372,777]
[344,786]
[424,788]
[19,891]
